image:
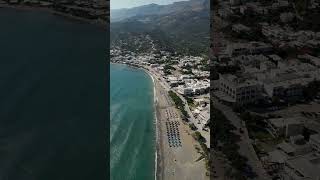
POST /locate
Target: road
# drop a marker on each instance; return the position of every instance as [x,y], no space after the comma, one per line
[175,162]
[246,148]
[166,86]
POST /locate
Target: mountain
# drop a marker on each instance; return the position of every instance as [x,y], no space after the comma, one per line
[181,27]
[155,9]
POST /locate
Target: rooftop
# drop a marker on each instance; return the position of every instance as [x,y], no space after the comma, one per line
[281,122]
[315,137]
[305,168]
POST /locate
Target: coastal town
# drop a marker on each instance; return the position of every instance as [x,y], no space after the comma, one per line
[265,73]
[96,11]
[182,103]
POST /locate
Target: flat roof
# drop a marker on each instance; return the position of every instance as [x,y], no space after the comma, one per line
[281,122]
[305,167]
[315,137]
[286,147]
[277,156]
[223,96]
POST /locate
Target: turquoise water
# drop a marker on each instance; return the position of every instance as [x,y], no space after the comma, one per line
[132,121]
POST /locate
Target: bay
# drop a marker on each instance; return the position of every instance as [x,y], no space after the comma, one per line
[132,124]
[53,95]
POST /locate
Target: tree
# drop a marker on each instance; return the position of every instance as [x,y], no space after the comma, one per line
[197,135]
[193,127]
[275,100]
[311,90]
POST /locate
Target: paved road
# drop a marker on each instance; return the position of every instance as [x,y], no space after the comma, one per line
[167,87]
[205,134]
[175,162]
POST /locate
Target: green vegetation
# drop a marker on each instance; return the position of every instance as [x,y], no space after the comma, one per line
[311,91]
[301,5]
[180,33]
[257,129]
[215,4]
[232,69]
[188,70]
[253,35]
[192,127]
[178,103]
[168,68]
[276,100]
[205,154]
[166,72]
[310,21]
[190,101]
[256,126]
[176,99]
[310,17]
[197,136]
[226,140]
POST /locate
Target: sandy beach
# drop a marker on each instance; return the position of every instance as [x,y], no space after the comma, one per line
[173,163]
[183,162]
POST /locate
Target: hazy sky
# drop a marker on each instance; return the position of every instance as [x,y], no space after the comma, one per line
[117,4]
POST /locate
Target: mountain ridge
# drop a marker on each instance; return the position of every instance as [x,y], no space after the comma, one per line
[155,9]
[183,30]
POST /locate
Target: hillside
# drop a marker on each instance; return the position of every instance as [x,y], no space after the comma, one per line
[183,29]
[155,9]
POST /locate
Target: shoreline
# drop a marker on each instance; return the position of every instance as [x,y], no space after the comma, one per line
[175,164]
[155,98]
[102,24]
[156,122]
[158,169]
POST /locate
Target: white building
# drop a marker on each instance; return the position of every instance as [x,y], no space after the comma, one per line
[285,88]
[285,126]
[204,117]
[239,90]
[173,81]
[286,17]
[240,28]
[194,87]
[235,49]
[303,168]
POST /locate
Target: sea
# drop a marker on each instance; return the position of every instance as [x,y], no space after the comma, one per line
[132,124]
[53,98]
